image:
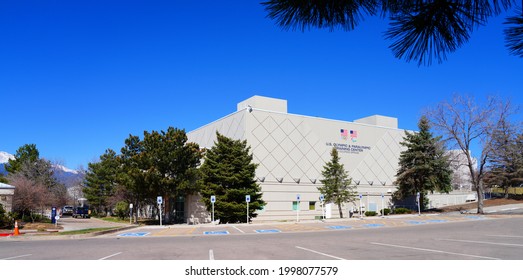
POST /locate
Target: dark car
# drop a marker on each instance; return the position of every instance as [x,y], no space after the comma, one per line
[81,212]
[67,211]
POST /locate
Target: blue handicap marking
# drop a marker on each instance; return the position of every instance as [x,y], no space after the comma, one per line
[222,232]
[436,221]
[416,222]
[134,234]
[475,217]
[268,230]
[338,227]
[373,225]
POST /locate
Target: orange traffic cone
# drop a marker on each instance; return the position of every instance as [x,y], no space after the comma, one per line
[16,232]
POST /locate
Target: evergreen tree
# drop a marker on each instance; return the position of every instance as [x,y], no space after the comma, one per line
[3,179]
[421,30]
[26,153]
[506,162]
[423,166]
[171,163]
[133,174]
[101,180]
[336,183]
[228,173]
[162,164]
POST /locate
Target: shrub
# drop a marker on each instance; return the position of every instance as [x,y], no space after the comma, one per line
[370,213]
[122,209]
[35,218]
[402,211]
[386,210]
[4,218]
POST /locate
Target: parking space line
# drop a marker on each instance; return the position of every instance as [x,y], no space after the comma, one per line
[433,251]
[16,257]
[508,236]
[482,242]
[320,253]
[238,229]
[104,258]
[211,255]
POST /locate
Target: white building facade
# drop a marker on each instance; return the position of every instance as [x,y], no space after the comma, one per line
[6,196]
[292,150]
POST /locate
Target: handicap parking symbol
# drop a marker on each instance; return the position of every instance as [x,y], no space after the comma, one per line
[373,225]
[134,234]
[338,227]
[267,231]
[416,222]
[222,232]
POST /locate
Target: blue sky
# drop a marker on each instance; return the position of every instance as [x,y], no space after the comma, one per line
[77,77]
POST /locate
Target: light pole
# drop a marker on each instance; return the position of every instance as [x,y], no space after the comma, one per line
[247,199]
[298,197]
[213,200]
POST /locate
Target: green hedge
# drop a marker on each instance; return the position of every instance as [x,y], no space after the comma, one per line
[402,211]
[370,213]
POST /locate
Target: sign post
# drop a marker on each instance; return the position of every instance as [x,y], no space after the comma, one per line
[247,199]
[322,198]
[382,206]
[130,213]
[56,218]
[159,200]
[298,197]
[213,200]
[419,206]
[361,213]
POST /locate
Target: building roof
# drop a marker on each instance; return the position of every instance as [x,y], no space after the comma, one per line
[6,186]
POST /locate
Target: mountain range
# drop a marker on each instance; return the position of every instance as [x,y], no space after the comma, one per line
[64,175]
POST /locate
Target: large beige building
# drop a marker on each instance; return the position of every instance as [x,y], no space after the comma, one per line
[291,151]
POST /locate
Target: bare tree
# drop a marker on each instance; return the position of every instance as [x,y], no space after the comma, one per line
[30,196]
[467,124]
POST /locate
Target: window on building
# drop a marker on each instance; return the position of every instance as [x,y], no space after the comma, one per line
[295,205]
[312,205]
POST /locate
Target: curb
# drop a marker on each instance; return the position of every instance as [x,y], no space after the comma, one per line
[25,237]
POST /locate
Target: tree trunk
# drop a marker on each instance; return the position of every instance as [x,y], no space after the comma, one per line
[339,209]
[480,192]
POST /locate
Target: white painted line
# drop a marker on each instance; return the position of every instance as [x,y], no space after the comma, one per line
[16,257]
[509,236]
[238,229]
[211,255]
[433,251]
[320,253]
[104,258]
[482,242]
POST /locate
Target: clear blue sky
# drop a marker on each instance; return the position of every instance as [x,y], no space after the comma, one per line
[77,77]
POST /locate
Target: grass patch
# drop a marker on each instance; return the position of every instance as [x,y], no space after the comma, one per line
[84,231]
[114,220]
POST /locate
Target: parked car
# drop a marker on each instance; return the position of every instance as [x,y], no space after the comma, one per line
[67,210]
[81,212]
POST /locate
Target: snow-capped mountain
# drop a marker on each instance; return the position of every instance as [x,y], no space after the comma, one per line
[66,176]
[4,157]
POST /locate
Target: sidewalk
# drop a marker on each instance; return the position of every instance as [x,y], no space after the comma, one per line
[288,226]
